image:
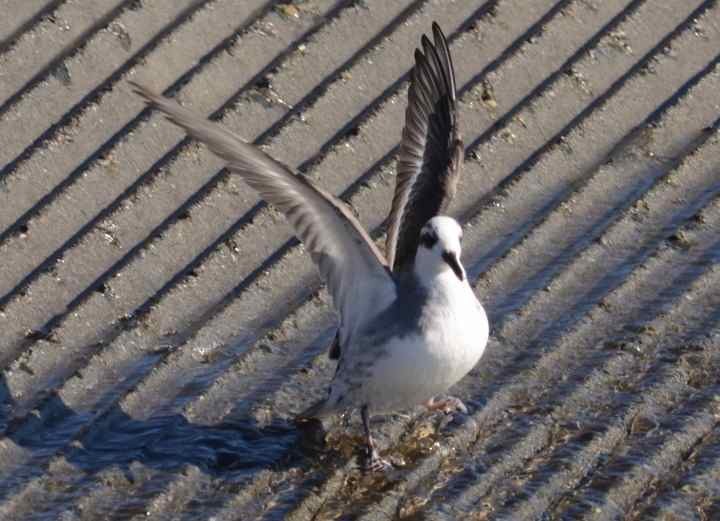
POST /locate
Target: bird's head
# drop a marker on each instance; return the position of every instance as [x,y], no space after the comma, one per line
[439,248]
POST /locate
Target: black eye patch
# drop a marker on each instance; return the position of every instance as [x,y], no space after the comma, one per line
[428,239]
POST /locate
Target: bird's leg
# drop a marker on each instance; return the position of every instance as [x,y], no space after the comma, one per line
[447,405]
[373,462]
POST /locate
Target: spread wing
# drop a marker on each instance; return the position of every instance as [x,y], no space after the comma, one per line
[431,151]
[347,258]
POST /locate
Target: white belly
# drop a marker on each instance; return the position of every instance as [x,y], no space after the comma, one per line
[418,367]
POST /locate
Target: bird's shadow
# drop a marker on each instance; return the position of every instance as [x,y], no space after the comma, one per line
[233,450]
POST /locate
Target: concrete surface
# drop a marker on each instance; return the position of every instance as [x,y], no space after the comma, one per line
[159,327]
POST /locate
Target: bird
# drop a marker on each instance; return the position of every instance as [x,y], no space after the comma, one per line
[410,325]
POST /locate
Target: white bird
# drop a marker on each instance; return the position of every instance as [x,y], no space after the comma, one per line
[410,325]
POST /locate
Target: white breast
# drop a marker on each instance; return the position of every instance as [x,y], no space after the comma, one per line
[418,367]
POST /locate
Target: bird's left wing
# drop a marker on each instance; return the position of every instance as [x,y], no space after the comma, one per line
[431,151]
[346,256]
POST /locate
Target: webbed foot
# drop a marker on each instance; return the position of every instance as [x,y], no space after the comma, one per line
[447,405]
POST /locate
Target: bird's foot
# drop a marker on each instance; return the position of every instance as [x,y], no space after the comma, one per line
[447,405]
[374,463]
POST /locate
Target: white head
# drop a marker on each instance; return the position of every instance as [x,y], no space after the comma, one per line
[439,249]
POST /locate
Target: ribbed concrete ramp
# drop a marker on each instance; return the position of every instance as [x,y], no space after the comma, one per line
[159,326]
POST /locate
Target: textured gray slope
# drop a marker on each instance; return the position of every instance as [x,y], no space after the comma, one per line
[159,327]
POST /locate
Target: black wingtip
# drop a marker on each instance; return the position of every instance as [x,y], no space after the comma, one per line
[155,101]
[141,90]
[151,98]
[334,352]
[443,53]
[438,34]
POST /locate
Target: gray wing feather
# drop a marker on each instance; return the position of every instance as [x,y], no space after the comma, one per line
[347,258]
[431,151]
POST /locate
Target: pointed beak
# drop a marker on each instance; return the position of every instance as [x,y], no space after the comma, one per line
[454,263]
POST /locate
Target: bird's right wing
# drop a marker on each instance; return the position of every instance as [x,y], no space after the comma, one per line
[431,151]
[346,256]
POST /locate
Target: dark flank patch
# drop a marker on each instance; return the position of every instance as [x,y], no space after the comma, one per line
[334,353]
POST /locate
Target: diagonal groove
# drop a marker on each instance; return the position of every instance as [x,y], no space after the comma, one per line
[71,49]
[248,217]
[694,419]
[133,318]
[597,103]
[47,10]
[170,155]
[137,314]
[694,486]
[693,207]
[512,301]
[688,278]
[150,364]
[292,496]
[672,291]
[651,376]
[688,212]
[93,96]
[143,180]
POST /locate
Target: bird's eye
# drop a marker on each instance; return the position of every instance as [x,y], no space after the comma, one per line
[428,239]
